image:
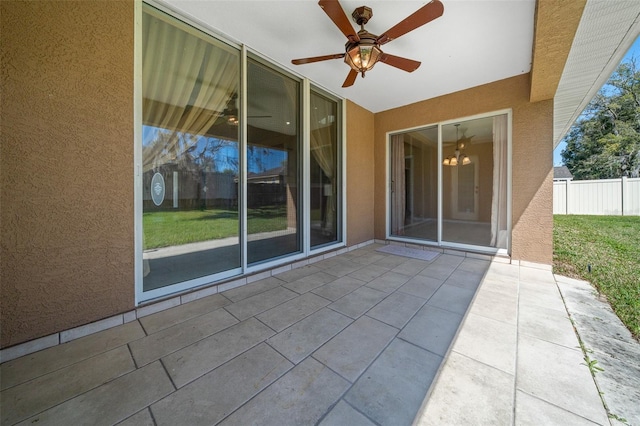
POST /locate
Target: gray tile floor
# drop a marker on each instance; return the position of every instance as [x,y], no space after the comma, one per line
[354,339]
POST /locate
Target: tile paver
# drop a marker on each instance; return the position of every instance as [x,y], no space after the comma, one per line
[546,370]
[309,282]
[300,340]
[141,418]
[112,402]
[32,397]
[338,288]
[358,302]
[452,298]
[300,397]
[344,414]
[164,319]
[292,311]
[246,308]
[469,392]
[531,411]
[205,402]
[421,286]
[489,341]
[391,390]
[168,340]
[353,349]
[39,363]
[388,282]
[397,309]
[432,329]
[203,356]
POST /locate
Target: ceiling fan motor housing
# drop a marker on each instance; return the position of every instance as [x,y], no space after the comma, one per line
[362,14]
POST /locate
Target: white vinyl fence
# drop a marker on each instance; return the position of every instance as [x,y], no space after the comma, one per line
[597,197]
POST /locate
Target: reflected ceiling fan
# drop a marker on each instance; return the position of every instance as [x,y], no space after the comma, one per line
[362,50]
[230,113]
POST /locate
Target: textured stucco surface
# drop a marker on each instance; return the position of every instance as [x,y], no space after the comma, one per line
[67,251]
[556,25]
[532,154]
[360,173]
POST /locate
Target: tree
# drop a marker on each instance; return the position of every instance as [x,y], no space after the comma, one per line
[604,142]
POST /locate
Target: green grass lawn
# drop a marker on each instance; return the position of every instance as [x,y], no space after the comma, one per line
[611,245]
[171,228]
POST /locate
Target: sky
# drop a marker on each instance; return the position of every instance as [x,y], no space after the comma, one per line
[634,50]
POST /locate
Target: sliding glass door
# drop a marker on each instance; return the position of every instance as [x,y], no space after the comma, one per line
[326,191]
[273,164]
[190,153]
[473,183]
[414,184]
[220,161]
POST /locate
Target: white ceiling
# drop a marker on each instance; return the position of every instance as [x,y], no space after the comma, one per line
[473,43]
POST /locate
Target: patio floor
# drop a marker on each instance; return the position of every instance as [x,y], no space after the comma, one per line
[355,339]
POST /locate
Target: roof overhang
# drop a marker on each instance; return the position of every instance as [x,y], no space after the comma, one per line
[606,31]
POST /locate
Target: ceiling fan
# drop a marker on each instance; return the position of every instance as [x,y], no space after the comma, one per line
[362,50]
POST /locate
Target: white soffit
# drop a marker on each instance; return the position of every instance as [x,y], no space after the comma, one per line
[475,42]
[606,31]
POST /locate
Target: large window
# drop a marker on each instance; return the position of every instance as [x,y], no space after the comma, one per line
[221,185]
[473,185]
[273,163]
[324,171]
[190,148]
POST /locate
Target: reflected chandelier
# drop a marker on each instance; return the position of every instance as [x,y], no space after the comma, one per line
[458,157]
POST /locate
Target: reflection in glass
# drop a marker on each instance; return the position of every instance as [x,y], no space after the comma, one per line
[273,190]
[414,184]
[189,153]
[325,188]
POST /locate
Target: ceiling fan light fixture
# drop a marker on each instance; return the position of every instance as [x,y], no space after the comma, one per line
[465,160]
[362,56]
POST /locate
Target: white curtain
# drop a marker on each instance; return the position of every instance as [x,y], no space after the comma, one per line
[397,185]
[323,140]
[186,84]
[499,232]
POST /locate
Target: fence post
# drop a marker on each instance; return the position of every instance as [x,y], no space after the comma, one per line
[566,196]
[175,190]
[624,194]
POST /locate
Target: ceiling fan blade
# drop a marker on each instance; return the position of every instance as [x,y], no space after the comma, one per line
[351,78]
[317,59]
[425,14]
[408,65]
[333,9]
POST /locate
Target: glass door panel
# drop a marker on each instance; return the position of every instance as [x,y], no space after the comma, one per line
[467,175]
[273,163]
[325,183]
[474,183]
[414,184]
[189,153]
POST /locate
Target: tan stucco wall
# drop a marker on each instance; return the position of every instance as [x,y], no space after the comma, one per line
[66,164]
[532,155]
[555,27]
[360,172]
